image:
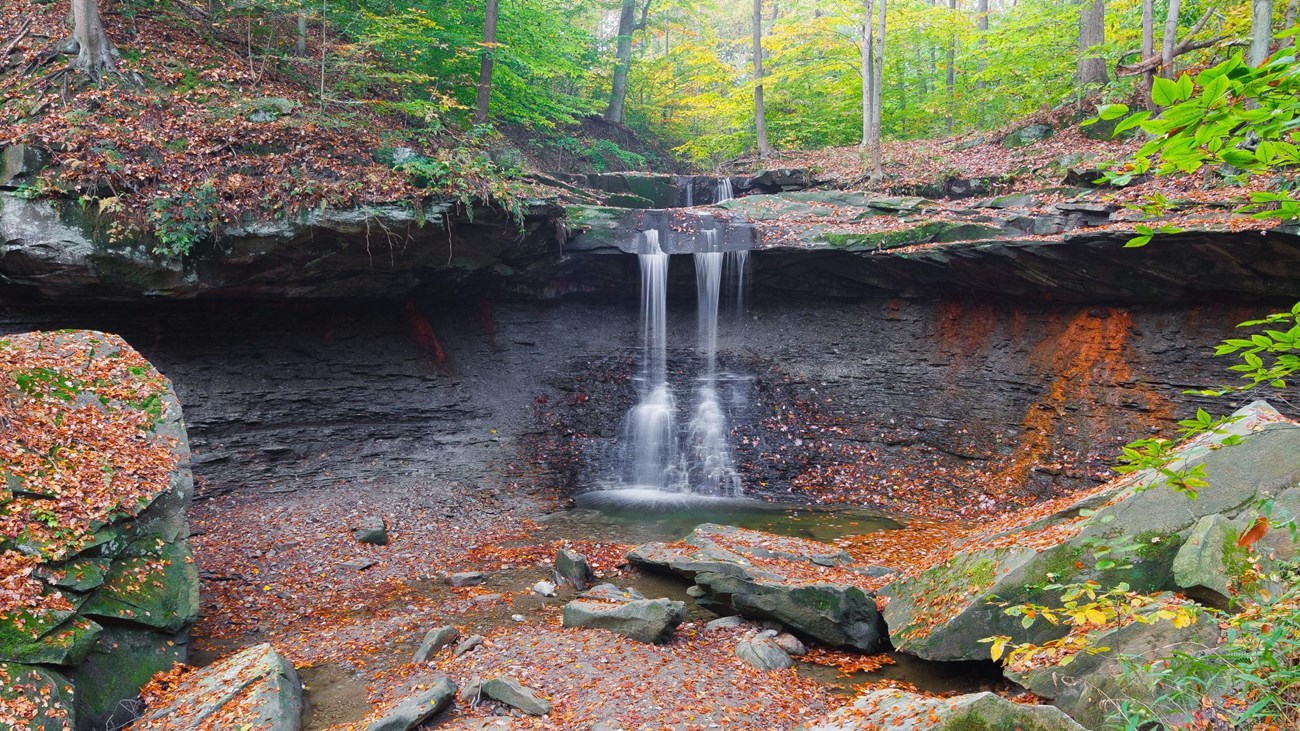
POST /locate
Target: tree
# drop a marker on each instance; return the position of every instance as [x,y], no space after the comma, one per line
[873,63]
[485,68]
[1292,10]
[760,114]
[95,53]
[1148,48]
[1092,33]
[627,25]
[1261,30]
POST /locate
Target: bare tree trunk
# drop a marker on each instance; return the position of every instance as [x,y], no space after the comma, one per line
[485,66]
[1261,30]
[1092,33]
[952,64]
[982,22]
[1148,49]
[301,46]
[627,25]
[1292,10]
[1170,38]
[760,114]
[877,91]
[868,78]
[95,50]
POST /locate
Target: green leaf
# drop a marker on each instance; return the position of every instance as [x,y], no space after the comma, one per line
[1164,92]
[1108,112]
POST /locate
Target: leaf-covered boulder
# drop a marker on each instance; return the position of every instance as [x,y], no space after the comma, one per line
[255,689]
[1137,524]
[35,698]
[899,710]
[95,487]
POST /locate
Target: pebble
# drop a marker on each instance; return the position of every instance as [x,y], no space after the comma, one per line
[545,588]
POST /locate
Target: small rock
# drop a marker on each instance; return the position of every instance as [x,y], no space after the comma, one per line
[434,641]
[518,618]
[472,691]
[373,530]
[485,598]
[696,591]
[724,623]
[468,645]
[512,693]
[545,588]
[574,569]
[466,578]
[360,564]
[763,653]
[611,593]
[790,644]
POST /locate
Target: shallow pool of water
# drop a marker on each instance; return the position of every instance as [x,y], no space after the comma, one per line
[638,516]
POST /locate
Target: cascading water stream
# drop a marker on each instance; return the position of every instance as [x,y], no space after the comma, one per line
[652,453]
[734,265]
[709,465]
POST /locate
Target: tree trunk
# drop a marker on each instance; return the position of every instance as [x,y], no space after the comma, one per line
[95,50]
[300,47]
[1292,10]
[1170,38]
[1092,33]
[485,66]
[1261,30]
[868,77]
[982,22]
[952,64]
[760,120]
[627,25]
[1148,49]
[877,91]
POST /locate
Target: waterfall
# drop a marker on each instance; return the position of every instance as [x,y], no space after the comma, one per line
[654,457]
[690,192]
[709,466]
[652,453]
[724,191]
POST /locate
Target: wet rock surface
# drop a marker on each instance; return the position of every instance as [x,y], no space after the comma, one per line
[255,687]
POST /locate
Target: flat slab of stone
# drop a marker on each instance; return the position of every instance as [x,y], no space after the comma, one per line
[806,586]
[255,688]
[466,578]
[898,710]
[644,620]
[417,707]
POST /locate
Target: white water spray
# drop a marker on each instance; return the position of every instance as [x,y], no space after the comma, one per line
[709,465]
[651,430]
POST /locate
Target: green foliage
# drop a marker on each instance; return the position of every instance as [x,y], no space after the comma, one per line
[1238,118]
[1250,681]
[466,176]
[182,218]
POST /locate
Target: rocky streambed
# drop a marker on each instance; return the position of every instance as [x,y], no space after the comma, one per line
[939,377]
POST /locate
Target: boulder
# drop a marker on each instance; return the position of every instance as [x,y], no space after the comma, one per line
[514,694]
[611,593]
[790,644]
[763,653]
[434,641]
[1028,135]
[35,698]
[644,620]
[943,612]
[899,710]
[1083,686]
[20,164]
[572,568]
[417,707]
[255,688]
[372,530]
[468,645]
[804,585]
[129,592]
[1210,564]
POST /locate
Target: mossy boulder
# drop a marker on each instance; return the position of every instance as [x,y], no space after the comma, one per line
[156,585]
[899,710]
[1028,135]
[51,637]
[1127,532]
[109,680]
[38,699]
